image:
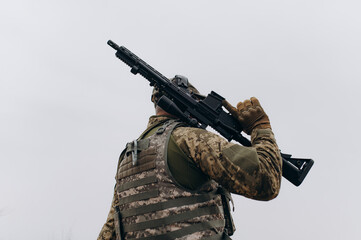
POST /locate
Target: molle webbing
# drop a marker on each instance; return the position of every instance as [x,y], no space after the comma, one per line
[139,197]
[142,145]
[137,183]
[168,204]
[172,219]
[149,198]
[189,230]
[145,162]
[119,231]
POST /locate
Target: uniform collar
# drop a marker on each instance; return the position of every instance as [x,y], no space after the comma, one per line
[157,119]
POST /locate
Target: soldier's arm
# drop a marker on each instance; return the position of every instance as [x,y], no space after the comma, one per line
[108,230]
[254,172]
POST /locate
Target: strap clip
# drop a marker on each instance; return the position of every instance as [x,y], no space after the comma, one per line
[135,153]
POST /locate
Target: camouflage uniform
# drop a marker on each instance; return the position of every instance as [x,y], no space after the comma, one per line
[254,172]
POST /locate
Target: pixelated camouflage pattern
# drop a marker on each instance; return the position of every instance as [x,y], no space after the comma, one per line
[157,94]
[168,190]
[108,231]
[262,182]
[154,120]
[206,149]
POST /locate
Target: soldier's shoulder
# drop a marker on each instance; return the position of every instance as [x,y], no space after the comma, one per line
[197,134]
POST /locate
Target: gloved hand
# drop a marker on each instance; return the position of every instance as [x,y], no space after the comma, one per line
[250,114]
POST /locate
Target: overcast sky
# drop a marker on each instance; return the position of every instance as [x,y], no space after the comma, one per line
[68,106]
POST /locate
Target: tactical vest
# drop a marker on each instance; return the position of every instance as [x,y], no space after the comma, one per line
[152,206]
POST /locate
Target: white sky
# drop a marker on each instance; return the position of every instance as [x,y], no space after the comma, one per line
[68,106]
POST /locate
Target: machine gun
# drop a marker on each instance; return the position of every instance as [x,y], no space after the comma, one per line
[205,112]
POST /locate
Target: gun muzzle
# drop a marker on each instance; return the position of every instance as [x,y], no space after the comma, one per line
[113,45]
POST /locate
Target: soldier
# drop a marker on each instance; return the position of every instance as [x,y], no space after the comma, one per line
[173,182]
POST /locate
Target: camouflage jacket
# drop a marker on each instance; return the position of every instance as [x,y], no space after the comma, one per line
[254,172]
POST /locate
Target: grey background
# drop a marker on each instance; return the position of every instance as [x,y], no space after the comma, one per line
[68,106]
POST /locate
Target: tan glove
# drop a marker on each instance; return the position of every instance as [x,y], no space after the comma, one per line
[250,114]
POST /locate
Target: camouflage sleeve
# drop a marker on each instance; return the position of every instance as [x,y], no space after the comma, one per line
[254,172]
[108,230]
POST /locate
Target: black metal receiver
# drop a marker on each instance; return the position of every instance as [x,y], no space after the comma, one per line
[205,112]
